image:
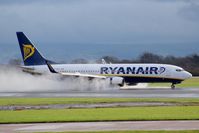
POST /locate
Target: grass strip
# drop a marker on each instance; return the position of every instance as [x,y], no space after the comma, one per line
[49,101]
[101,114]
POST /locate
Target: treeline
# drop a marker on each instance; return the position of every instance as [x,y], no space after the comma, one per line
[189,63]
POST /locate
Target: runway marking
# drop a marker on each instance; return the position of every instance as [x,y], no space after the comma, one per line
[99,126]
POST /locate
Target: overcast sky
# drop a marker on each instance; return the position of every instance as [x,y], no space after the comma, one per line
[93,28]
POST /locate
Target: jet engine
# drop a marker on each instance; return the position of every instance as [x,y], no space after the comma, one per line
[117,81]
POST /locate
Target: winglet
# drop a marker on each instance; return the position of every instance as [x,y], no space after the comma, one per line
[103,61]
[52,70]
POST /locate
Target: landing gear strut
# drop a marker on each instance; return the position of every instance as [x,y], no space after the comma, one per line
[173,86]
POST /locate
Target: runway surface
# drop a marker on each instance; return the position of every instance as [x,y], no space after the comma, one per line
[100,126]
[127,93]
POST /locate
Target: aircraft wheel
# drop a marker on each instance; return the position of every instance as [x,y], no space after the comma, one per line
[173,86]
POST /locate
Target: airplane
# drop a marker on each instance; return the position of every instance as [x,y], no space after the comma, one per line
[116,74]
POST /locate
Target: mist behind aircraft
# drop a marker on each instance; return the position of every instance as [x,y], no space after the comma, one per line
[14,80]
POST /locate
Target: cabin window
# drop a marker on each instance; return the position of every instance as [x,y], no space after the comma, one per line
[179,70]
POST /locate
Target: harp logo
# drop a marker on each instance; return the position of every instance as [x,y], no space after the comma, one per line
[28,50]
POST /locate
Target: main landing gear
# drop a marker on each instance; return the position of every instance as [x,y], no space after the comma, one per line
[173,86]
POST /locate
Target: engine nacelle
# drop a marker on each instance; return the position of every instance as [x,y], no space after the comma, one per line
[117,81]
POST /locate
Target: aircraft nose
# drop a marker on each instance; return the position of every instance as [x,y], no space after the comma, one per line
[188,75]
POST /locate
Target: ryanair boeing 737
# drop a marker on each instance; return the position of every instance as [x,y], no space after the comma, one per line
[117,74]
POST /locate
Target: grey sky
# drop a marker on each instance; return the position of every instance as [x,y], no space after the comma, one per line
[59,23]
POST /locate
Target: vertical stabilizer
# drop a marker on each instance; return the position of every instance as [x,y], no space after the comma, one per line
[30,54]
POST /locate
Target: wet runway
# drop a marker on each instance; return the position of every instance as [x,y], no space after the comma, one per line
[127,93]
[100,126]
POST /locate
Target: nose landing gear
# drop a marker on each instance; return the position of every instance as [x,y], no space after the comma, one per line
[173,86]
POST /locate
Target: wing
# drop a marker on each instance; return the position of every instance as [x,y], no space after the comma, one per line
[89,76]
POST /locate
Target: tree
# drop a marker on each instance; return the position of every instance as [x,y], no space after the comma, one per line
[79,61]
[15,62]
[150,58]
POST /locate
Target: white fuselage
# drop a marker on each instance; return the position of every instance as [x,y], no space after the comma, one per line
[132,73]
